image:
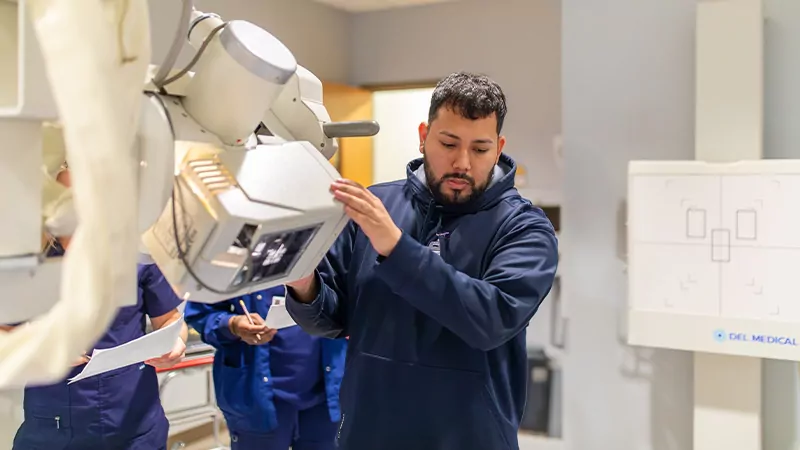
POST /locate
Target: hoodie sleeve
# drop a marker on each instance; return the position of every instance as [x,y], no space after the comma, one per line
[326,315]
[485,312]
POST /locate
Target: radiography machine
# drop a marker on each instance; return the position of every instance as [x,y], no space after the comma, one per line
[166,167]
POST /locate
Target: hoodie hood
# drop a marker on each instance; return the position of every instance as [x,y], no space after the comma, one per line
[502,185]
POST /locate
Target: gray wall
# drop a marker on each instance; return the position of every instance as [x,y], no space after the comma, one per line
[781,388]
[628,94]
[782,109]
[316,33]
[514,41]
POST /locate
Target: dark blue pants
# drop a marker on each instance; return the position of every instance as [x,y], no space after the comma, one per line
[31,439]
[309,429]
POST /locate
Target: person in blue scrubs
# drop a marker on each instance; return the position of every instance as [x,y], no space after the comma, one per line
[116,410]
[276,388]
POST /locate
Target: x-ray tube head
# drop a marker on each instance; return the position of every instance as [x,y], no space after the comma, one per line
[242,221]
[240,73]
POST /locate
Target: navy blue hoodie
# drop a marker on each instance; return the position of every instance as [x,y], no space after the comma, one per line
[437,355]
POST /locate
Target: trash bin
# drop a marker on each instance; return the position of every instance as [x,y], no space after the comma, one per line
[536,417]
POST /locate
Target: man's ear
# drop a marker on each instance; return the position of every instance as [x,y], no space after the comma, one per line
[423,134]
[501,142]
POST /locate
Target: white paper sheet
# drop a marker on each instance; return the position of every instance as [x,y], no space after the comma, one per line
[151,345]
[278,317]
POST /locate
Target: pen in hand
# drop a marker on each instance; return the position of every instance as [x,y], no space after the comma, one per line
[247,313]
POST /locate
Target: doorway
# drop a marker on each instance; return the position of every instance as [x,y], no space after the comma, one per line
[399,113]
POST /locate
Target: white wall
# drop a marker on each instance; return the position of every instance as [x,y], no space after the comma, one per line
[516,42]
[399,112]
[315,33]
[628,94]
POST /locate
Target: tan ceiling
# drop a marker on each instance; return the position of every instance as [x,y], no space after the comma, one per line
[376,5]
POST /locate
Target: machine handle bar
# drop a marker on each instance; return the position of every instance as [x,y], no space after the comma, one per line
[356,128]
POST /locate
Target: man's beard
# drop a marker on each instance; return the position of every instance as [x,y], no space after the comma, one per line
[459,196]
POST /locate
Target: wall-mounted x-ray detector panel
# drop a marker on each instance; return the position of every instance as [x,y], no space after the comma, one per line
[714,257]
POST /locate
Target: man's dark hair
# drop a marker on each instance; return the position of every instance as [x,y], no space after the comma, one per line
[470,95]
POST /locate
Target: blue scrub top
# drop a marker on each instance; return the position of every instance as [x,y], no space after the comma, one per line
[295,367]
[120,409]
[295,361]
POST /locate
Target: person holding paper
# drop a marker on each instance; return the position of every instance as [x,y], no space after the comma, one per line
[435,280]
[276,388]
[120,409]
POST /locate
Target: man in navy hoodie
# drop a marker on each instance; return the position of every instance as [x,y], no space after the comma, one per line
[435,279]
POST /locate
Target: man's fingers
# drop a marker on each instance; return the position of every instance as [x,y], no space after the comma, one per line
[348,199]
[353,188]
[357,216]
[345,181]
[355,195]
[354,192]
